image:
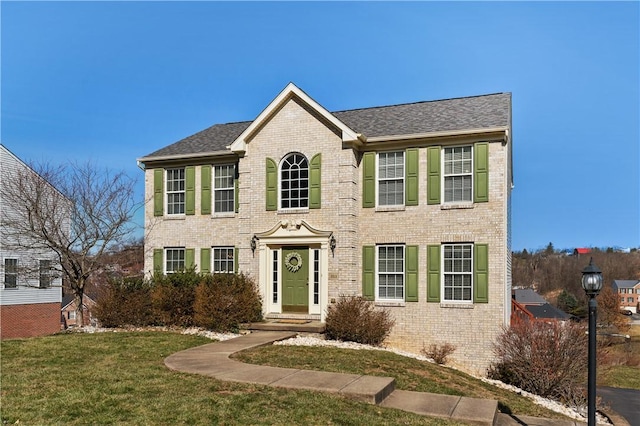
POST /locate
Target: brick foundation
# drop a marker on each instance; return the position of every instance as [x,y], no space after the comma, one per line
[32,320]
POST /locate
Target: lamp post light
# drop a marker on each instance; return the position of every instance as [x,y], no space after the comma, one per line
[592,284]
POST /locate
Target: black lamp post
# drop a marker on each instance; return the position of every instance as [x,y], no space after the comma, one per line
[592,284]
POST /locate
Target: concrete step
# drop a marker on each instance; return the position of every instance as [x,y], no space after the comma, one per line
[299,326]
[458,408]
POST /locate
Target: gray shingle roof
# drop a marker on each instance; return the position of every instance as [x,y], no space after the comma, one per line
[546,311]
[528,296]
[476,112]
[625,283]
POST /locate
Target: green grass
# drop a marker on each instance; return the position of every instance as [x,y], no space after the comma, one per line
[120,378]
[410,374]
[619,365]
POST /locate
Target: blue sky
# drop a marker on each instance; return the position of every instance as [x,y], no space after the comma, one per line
[113,81]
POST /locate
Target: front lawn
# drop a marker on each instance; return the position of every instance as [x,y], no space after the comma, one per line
[120,378]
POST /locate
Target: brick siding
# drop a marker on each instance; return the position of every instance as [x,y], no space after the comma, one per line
[38,319]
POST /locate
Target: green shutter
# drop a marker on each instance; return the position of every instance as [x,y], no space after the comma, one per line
[411,177]
[368,272]
[411,274]
[205,260]
[433,273]
[272,185]
[158,192]
[433,175]
[158,255]
[481,273]
[481,172]
[236,188]
[205,193]
[190,190]
[369,180]
[189,258]
[236,253]
[315,193]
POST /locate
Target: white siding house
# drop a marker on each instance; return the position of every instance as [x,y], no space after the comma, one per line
[30,292]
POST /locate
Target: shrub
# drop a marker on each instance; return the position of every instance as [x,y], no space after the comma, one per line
[547,359]
[125,302]
[173,296]
[439,353]
[355,319]
[224,301]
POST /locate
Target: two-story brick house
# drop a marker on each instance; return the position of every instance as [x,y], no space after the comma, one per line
[629,294]
[407,205]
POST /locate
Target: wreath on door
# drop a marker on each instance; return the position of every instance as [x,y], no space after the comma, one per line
[293,261]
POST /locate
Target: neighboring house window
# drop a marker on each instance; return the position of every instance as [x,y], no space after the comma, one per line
[391,178]
[457,272]
[294,182]
[458,174]
[622,300]
[224,188]
[175,191]
[223,260]
[10,273]
[174,260]
[45,273]
[629,299]
[623,291]
[71,315]
[390,272]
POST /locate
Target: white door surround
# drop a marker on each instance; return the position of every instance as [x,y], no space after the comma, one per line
[293,233]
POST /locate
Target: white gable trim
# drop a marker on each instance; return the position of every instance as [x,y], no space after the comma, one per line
[239,145]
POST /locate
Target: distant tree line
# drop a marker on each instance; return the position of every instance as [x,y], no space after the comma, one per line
[557,275]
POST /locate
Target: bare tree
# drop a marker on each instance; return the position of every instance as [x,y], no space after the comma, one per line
[86,216]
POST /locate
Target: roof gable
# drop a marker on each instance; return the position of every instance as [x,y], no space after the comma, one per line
[289,92]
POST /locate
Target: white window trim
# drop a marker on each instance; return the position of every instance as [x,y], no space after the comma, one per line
[164,263]
[382,207]
[167,192]
[215,190]
[293,209]
[46,273]
[443,273]
[444,176]
[4,281]
[213,259]
[404,270]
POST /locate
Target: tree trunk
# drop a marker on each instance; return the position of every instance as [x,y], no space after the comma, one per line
[78,299]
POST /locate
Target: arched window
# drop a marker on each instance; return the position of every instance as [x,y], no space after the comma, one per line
[294,182]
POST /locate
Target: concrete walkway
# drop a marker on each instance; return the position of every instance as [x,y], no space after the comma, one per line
[213,360]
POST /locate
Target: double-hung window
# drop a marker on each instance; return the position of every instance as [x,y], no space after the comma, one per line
[175,191]
[458,174]
[458,272]
[294,182]
[390,272]
[224,188]
[10,273]
[45,273]
[174,260]
[391,178]
[223,260]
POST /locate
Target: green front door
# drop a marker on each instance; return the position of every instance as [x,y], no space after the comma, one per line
[295,279]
